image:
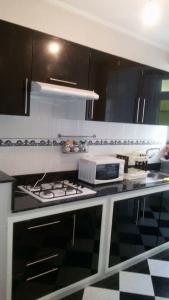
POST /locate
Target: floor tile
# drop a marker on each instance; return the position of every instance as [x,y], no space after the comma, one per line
[109,283]
[161,286]
[141,267]
[159,298]
[136,283]
[128,296]
[91,293]
[159,268]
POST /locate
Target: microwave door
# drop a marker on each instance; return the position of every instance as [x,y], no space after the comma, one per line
[107,171]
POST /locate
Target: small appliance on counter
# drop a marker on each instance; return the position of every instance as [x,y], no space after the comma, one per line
[139,161]
[101,169]
[136,159]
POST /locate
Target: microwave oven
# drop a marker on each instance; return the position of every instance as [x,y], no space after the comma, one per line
[101,170]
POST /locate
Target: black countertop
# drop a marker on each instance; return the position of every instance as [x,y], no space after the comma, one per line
[22,201]
[5,178]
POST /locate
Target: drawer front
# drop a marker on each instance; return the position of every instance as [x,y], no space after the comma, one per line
[39,249]
[54,252]
[37,239]
[36,283]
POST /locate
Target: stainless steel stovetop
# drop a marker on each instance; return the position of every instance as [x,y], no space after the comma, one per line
[57,190]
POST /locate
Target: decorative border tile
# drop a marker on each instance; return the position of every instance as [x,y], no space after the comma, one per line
[28,142]
[14,142]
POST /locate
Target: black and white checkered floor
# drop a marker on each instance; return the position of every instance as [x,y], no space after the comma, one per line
[146,280]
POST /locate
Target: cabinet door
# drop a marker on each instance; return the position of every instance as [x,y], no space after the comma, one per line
[117,82]
[150,96]
[164,219]
[82,257]
[59,62]
[148,220]
[154,97]
[50,253]
[125,238]
[15,66]
[163,106]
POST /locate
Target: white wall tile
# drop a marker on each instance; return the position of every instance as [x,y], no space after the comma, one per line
[45,122]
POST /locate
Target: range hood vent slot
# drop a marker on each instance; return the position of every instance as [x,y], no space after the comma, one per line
[40,88]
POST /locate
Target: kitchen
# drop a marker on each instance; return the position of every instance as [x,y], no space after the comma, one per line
[34,144]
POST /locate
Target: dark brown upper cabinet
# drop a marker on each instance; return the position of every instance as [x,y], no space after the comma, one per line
[60,62]
[129,92]
[15,68]
[117,81]
[151,96]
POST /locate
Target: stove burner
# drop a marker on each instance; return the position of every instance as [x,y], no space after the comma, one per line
[70,190]
[33,189]
[46,186]
[46,194]
[57,185]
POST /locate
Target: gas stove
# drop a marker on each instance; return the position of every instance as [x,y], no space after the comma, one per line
[56,190]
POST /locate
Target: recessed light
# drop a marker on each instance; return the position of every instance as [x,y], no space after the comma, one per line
[54,47]
[151,13]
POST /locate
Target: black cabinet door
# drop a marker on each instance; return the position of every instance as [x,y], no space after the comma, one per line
[15,68]
[164,219]
[153,99]
[164,100]
[125,237]
[59,62]
[50,253]
[150,95]
[117,81]
[82,256]
[135,227]
[148,220]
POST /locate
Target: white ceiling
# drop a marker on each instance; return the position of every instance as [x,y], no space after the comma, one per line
[125,16]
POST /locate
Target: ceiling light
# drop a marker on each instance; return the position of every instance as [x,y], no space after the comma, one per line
[54,47]
[151,13]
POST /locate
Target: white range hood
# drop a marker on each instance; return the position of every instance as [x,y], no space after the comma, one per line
[40,88]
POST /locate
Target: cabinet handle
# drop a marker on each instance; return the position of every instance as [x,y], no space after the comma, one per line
[138,109]
[144,104]
[41,260]
[63,81]
[41,274]
[144,205]
[92,109]
[74,230]
[26,96]
[138,208]
[43,225]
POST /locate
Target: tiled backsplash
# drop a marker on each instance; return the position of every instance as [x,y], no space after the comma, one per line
[45,124]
